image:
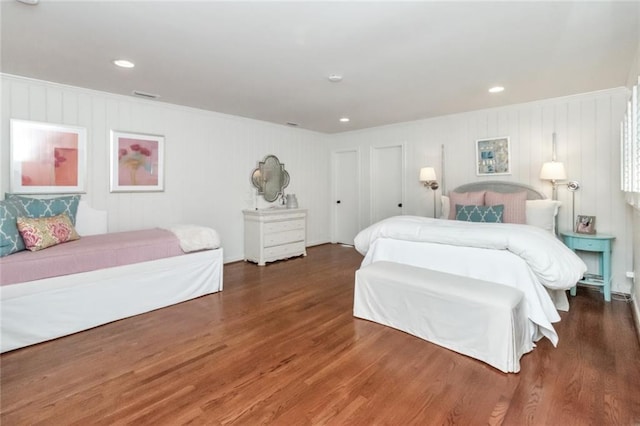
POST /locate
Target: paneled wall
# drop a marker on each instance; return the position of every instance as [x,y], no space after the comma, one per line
[634,74]
[587,129]
[208,156]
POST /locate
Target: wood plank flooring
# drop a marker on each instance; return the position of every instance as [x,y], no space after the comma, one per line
[280,346]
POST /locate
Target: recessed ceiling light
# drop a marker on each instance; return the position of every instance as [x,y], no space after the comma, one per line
[29,2]
[123,63]
[496,89]
[335,78]
[344,120]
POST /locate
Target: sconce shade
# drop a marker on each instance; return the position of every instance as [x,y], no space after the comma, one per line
[553,170]
[427,174]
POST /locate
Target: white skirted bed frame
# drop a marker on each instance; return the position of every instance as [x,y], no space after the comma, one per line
[49,308]
[532,261]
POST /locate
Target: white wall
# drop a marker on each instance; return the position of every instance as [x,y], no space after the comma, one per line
[587,128]
[634,73]
[208,156]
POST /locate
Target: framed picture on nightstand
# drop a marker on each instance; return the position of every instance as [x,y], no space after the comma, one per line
[586,224]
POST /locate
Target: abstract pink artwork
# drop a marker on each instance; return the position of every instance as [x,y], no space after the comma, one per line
[46,158]
[136,162]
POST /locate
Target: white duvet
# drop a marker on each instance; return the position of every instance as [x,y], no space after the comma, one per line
[555,265]
[520,256]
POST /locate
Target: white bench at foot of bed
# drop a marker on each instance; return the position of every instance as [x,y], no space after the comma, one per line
[480,319]
[45,309]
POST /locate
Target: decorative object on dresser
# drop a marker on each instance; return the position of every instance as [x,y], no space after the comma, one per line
[270,178]
[47,158]
[292,201]
[492,157]
[137,162]
[274,234]
[428,178]
[598,243]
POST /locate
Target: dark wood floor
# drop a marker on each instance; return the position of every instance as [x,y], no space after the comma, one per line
[280,346]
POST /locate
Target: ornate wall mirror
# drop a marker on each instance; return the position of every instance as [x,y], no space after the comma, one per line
[270,178]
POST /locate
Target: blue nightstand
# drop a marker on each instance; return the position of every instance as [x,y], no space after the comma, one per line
[599,243]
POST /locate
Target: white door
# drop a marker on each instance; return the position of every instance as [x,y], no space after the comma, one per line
[386,182]
[346,210]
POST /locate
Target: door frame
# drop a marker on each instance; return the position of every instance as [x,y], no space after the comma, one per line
[403,166]
[334,189]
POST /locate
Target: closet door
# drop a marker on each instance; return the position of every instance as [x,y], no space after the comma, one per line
[346,199]
[387,170]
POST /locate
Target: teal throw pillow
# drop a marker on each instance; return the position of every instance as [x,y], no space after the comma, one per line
[491,214]
[10,239]
[48,207]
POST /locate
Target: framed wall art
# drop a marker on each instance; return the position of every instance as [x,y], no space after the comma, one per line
[137,162]
[585,224]
[47,158]
[492,157]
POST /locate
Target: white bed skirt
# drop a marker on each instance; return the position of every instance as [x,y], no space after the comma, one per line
[499,266]
[46,309]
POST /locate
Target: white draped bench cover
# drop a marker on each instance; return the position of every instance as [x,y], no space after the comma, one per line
[481,319]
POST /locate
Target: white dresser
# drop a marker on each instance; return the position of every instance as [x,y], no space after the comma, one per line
[274,234]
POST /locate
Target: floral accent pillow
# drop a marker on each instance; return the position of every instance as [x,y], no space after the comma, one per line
[45,232]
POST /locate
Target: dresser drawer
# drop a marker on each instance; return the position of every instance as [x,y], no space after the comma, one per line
[285,237]
[284,251]
[286,225]
[588,244]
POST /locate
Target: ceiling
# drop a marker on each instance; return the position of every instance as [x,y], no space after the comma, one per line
[400,61]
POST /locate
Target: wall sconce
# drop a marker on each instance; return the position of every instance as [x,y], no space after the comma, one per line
[428,178]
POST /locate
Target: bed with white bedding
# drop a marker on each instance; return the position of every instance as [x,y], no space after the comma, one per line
[41,309]
[523,256]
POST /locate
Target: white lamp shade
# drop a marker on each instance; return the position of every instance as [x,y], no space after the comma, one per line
[427,174]
[553,170]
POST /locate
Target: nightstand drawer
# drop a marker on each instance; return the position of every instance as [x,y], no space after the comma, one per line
[588,244]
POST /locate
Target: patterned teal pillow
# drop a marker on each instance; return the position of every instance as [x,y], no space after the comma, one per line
[48,207]
[480,213]
[10,239]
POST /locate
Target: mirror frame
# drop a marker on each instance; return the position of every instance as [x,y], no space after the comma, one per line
[270,178]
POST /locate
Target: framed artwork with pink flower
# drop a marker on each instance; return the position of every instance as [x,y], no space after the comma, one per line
[137,162]
[47,158]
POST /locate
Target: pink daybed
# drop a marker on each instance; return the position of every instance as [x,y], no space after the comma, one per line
[112,276]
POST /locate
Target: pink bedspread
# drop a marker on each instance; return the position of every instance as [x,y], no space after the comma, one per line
[88,254]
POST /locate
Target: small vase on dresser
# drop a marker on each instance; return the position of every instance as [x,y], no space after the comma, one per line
[274,234]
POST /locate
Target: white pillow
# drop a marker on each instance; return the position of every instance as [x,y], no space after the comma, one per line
[542,213]
[196,238]
[445,208]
